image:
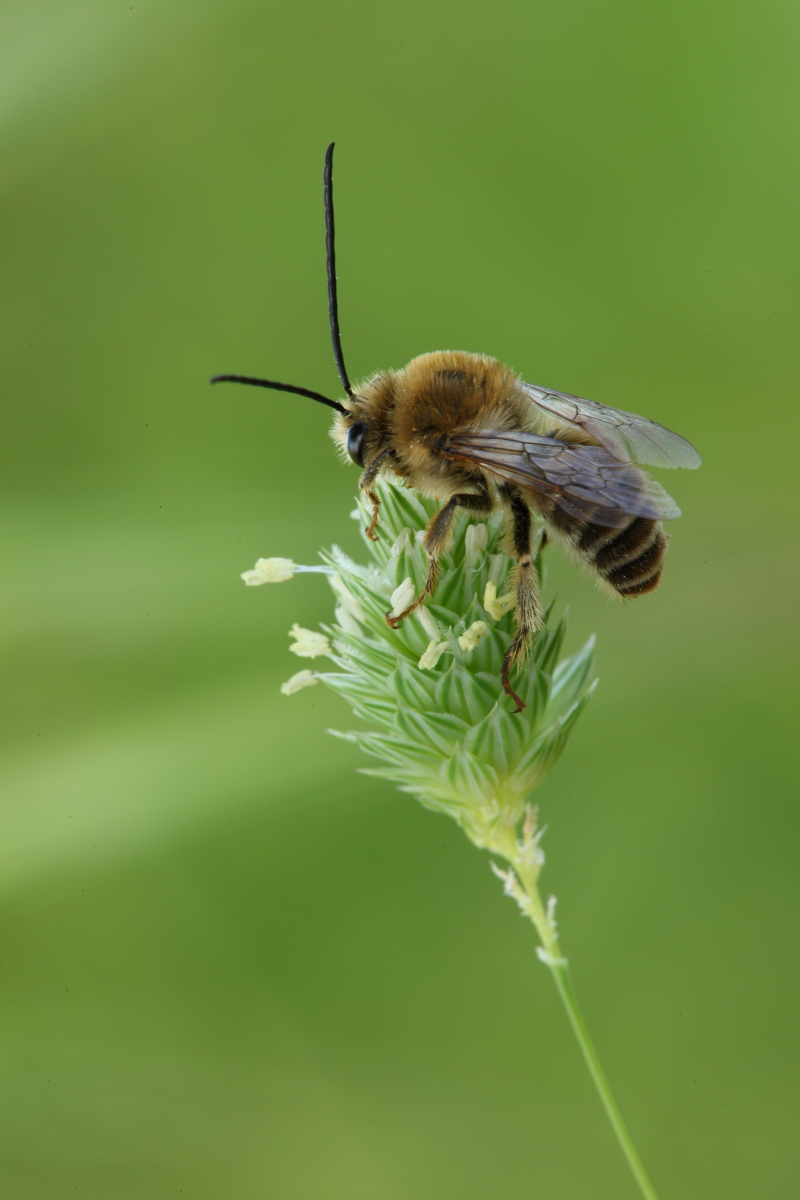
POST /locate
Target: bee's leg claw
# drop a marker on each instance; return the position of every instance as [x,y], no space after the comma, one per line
[515,654]
[394,620]
[507,688]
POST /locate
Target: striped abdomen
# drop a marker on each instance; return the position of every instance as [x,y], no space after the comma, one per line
[629,558]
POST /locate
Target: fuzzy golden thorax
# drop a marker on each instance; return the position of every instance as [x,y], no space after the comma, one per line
[409,414]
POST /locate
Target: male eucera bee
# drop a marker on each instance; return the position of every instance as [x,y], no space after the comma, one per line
[466,430]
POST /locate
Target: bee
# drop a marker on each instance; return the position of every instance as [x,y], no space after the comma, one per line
[465,430]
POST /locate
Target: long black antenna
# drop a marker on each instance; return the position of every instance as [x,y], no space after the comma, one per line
[281,387]
[333,312]
[333,303]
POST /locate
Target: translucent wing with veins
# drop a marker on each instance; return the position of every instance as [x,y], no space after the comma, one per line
[585,481]
[626,436]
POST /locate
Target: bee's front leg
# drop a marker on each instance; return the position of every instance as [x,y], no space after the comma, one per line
[365,485]
[437,539]
[528,610]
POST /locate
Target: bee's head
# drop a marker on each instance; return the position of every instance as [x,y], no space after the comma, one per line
[362,431]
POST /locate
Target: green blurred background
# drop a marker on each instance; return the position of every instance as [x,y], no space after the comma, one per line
[231,966]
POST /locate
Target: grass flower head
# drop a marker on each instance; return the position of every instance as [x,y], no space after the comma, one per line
[429,693]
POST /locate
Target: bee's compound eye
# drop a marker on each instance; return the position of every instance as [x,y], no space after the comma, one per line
[355,442]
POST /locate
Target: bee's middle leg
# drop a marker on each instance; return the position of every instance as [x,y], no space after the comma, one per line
[526,587]
[437,539]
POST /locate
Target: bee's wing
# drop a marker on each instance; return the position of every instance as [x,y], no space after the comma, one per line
[585,481]
[627,436]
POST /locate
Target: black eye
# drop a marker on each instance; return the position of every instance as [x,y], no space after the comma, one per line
[355,442]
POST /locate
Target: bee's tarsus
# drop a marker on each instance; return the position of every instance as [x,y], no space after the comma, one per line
[394,620]
[507,688]
[515,654]
[372,529]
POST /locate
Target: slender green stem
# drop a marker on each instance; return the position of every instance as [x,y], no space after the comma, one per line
[527,872]
[564,984]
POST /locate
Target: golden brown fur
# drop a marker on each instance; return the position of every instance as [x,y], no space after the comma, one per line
[414,409]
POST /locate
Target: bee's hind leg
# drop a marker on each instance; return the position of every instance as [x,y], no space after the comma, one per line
[437,539]
[528,610]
